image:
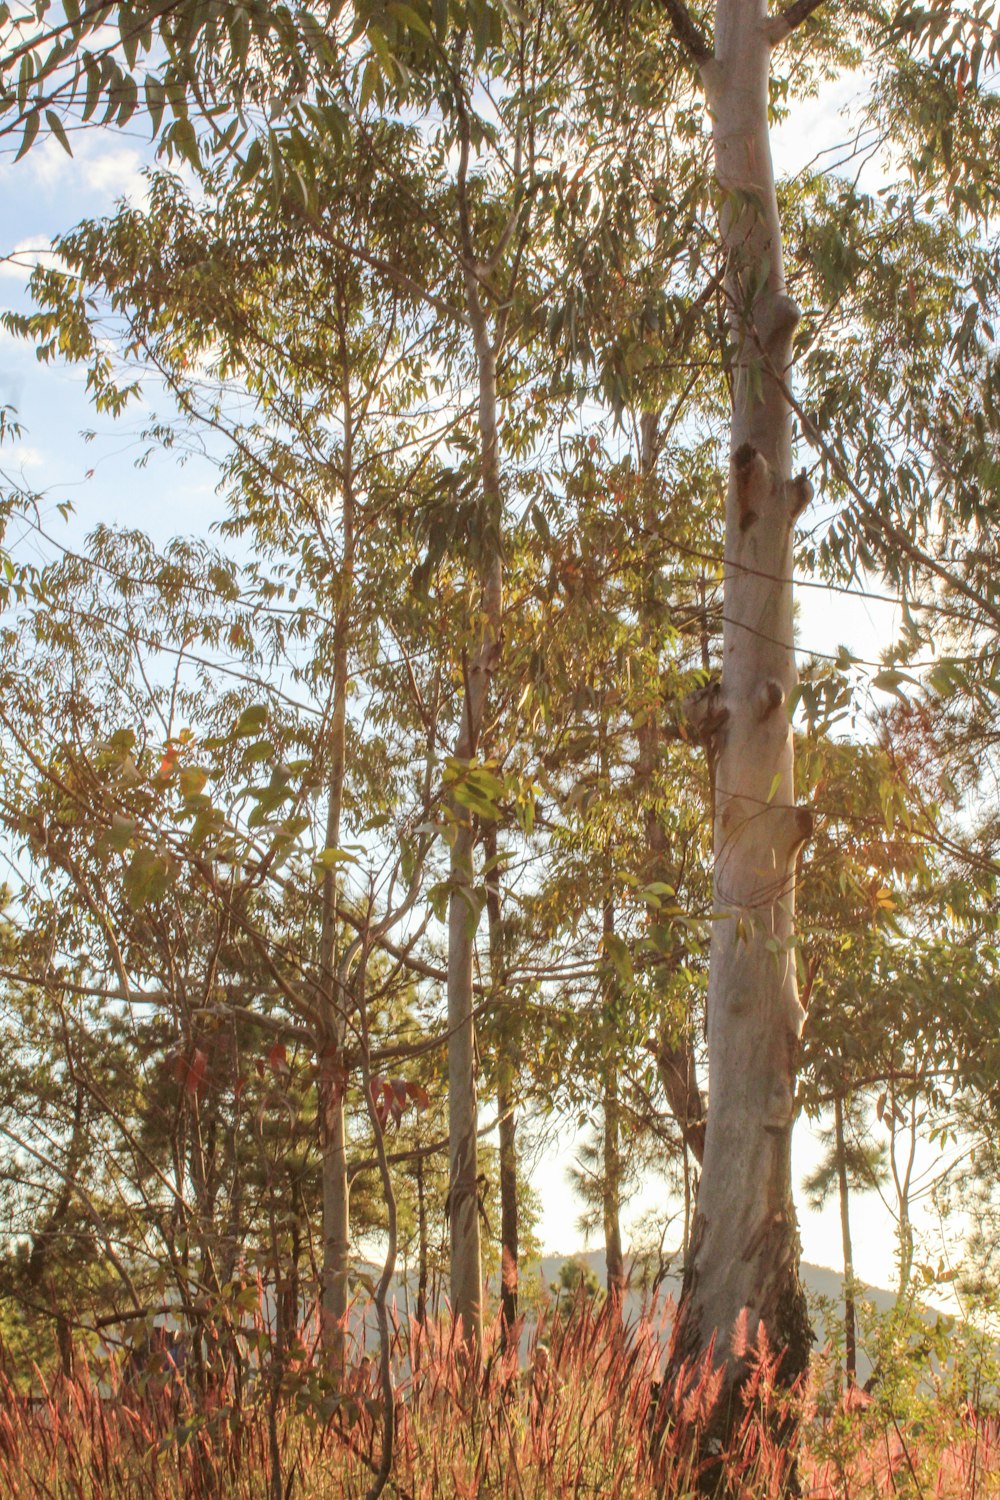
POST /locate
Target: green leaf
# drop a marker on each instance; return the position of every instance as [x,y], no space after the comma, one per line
[121,833]
[251,720]
[330,859]
[147,877]
[369,83]
[192,781]
[58,130]
[888,681]
[155,101]
[30,132]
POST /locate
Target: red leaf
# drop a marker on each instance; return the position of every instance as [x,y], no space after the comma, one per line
[241,1084]
[278,1058]
[194,1080]
[168,765]
[419,1095]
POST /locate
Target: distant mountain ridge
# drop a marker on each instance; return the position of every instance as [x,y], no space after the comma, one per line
[820,1281]
[822,1285]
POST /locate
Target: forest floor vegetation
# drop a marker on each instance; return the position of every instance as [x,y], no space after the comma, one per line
[581,1418]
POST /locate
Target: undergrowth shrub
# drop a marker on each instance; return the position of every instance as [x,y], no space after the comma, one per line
[585,1416]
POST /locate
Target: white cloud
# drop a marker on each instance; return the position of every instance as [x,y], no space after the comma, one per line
[19,263]
[49,164]
[116,170]
[26,457]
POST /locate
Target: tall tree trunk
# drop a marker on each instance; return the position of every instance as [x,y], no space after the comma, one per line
[463,1161]
[850,1316]
[902,1176]
[611,1174]
[331,1074]
[745,1244]
[421,1244]
[506,1074]
[674,1051]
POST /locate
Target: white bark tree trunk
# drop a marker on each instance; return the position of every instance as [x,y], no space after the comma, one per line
[745,1246]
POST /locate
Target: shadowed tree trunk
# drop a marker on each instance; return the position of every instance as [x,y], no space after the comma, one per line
[611,1175]
[850,1317]
[45,1242]
[463,1183]
[745,1246]
[331,1073]
[506,1074]
[422,1245]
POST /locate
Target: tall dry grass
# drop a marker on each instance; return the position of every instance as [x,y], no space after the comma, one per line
[580,1421]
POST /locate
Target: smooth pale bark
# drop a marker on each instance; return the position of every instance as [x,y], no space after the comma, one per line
[463,1160]
[674,1053]
[331,1073]
[745,1246]
[850,1317]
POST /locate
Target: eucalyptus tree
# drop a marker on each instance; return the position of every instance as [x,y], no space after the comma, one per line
[290,326]
[875,275]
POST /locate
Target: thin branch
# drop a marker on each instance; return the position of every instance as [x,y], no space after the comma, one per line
[687,31]
[790,19]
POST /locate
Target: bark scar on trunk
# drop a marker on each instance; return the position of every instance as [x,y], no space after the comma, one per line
[800,827]
[753,483]
[782,321]
[769,697]
[798,494]
[705,711]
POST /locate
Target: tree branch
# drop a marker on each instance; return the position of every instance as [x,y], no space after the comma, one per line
[687,31]
[790,19]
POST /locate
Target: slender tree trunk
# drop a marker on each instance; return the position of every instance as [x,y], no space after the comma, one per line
[463,1187]
[421,1245]
[611,1175]
[745,1246]
[509,1245]
[331,1073]
[45,1241]
[614,1260]
[674,1051]
[902,1179]
[850,1318]
[506,1074]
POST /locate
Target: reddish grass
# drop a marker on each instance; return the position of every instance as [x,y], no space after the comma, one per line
[577,1423]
